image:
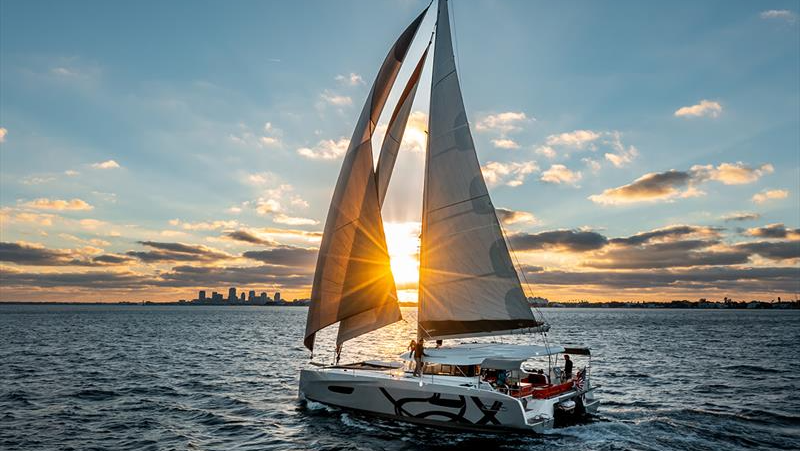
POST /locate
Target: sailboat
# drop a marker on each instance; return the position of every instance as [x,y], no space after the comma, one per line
[468,284]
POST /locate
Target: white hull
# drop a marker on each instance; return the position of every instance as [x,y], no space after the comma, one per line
[434,400]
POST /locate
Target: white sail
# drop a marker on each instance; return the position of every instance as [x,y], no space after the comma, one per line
[396,129]
[388,313]
[353,274]
[468,283]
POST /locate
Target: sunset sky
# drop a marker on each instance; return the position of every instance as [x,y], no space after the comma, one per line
[636,150]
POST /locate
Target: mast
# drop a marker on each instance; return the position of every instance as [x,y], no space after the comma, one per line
[468,284]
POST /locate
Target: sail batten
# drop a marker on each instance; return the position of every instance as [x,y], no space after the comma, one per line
[468,283]
[353,274]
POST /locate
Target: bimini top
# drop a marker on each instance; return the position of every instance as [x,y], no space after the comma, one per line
[477,353]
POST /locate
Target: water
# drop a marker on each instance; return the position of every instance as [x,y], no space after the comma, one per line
[214,378]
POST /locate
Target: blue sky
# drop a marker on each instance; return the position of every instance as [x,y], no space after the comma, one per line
[162,125]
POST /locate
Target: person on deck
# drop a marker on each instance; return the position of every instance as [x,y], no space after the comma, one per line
[567,368]
[419,352]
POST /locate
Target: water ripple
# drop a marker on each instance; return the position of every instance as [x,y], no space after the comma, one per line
[221,378]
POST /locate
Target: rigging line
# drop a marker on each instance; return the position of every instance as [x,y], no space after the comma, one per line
[455,38]
[524,277]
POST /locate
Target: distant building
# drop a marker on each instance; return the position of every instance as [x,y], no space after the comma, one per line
[216,297]
[277,296]
[241,298]
[538,301]
[232,294]
[263,297]
[202,295]
[251,296]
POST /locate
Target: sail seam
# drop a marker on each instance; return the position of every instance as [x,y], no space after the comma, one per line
[466,124]
[456,203]
[443,78]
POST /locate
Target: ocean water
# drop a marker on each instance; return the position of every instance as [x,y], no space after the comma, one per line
[225,378]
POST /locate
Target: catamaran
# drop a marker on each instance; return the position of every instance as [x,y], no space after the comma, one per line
[468,284]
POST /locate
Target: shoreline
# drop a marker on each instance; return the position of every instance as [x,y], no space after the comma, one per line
[673,305]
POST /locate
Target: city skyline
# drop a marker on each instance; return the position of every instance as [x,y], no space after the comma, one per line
[656,162]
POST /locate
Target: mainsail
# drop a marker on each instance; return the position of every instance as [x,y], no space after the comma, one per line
[353,274]
[387,313]
[468,283]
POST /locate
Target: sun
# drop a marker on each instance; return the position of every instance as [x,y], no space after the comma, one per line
[402,239]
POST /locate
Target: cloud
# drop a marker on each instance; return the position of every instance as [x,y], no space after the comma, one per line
[246,137]
[93,224]
[13,215]
[741,216]
[85,280]
[34,180]
[665,186]
[250,237]
[269,141]
[268,206]
[112,259]
[622,158]
[774,250]
[667,233]
[204,226]
[731,173]
[620,154]
[647,188]
[558,174]
[577,139]
[774,231]
[546,151]
[326,149]
[275,200]
[505,143]
[353,79]
[91,241]
[666,255]
[110,164]
[293,220]
[511,174]
[71,173]
[332,98]
[593,165]
[166,252]
[3,134]
[291,234]
[780,279]
[285,256]
[511,217]
[705,108]
[57,204]
[194,276]
[781,14]
[570,240]
[502,123]
[32,254]
[261,178]
[766,195]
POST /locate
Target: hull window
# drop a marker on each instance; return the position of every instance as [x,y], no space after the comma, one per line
[340,389]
